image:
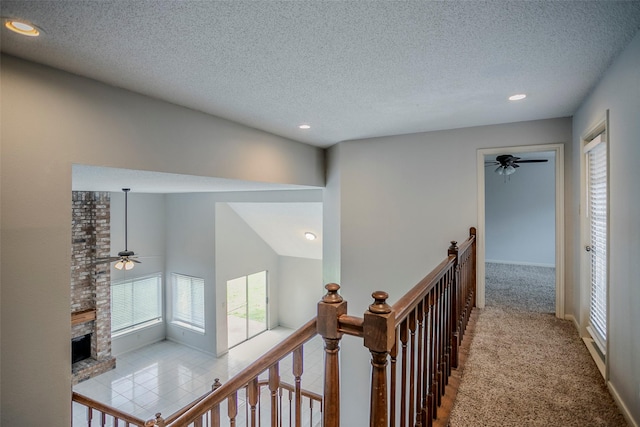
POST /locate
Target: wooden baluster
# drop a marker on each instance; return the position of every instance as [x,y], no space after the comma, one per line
[232,408]
[433,351]
[330,309]
[419,316]
[297,373]
[441,338]
[392,393]
[198,421]
[274,385]
[252,397]
[455,304]
[447,326]
[214,413]
[472,267]
[404,337]
[412,368]
[426,379]
[379,337]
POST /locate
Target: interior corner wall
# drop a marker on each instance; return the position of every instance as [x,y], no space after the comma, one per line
[146,237]
[239,252]
[51,120]
[402,199]
[300,288]
[520,215]
[618,92]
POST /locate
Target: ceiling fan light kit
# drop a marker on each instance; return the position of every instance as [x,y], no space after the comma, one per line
[126,259]
[507,163]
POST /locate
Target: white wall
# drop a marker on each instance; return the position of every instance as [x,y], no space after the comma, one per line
[402,199]
[520,215]
[50,120]
[239,252]
[300,288]
[146,237]
[618,92]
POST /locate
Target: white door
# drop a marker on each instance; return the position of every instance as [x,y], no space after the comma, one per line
[595,152]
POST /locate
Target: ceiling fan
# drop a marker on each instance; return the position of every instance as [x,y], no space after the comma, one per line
[508,163]
[126,258]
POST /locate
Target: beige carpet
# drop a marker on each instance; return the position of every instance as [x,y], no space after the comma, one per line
[526,367]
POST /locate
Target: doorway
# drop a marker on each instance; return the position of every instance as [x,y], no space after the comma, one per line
[246,307]
[555,151]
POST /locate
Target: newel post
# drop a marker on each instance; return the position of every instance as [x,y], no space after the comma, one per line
[379,337]
[456,306]
[330,309]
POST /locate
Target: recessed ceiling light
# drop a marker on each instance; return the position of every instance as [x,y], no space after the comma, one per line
[517,97]
[22,27]
[304,127]
[309,236]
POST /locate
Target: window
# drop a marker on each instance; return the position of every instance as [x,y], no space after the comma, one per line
[188,302]
[136,303]
[596,162]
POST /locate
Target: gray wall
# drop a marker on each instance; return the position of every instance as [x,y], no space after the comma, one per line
[520,215]
[239,252]
[146,237]
[300,288]
[191,251]
[618,92]
[50,120]
[401,200]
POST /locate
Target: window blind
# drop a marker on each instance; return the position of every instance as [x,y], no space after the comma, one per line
[188,301]
[135,302]
[596,152]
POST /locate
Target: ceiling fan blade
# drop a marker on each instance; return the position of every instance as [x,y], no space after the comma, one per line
[532,161]
[105,260]
[135,260]
[491,163]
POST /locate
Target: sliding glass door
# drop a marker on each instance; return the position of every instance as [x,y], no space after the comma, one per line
[246,307]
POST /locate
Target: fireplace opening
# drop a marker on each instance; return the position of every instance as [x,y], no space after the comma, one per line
[80,348]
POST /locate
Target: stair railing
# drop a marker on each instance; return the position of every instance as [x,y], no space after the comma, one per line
[414,345]
[424,329]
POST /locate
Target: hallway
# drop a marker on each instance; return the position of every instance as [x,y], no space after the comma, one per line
[525,366]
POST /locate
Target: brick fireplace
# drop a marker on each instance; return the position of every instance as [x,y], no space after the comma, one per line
[91,284]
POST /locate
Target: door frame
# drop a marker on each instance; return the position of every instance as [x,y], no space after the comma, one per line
[583,258]
[558,150]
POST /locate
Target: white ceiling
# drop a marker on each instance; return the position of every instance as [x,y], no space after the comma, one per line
[350,69]
[96,178]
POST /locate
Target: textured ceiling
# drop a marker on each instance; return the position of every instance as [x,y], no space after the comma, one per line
[350,69]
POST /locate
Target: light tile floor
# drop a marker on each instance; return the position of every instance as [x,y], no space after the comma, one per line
[166,376]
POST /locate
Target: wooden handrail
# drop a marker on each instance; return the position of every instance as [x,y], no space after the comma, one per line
[106,409]
[295,340]
[410,300]
[171,418]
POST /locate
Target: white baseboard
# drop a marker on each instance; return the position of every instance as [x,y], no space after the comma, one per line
[623,408]
[571,318]
[533,264]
